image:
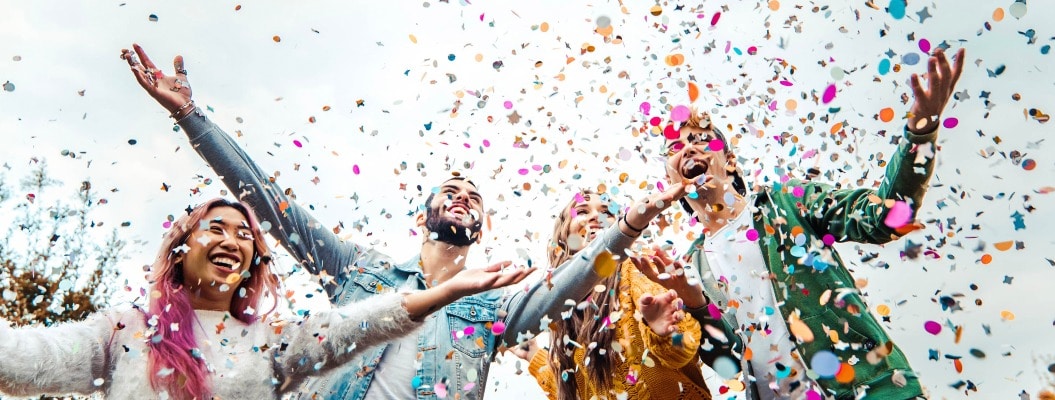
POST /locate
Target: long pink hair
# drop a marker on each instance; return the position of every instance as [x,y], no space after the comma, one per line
[174,363]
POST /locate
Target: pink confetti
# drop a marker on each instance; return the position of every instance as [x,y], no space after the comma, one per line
[829,94]
[469,331]
[714,18]
[355,169]
[798,191]
[659,185]
[166,224]
[899,215]
[441,390]
[828,239]
[487,143]
[523,171]
[498,327]
[950,122]
[655,121]
[481,17]
[932,327]
[773,105]
[646,108]
[680,114]
[714,311]
[508,104]
[786,82]
[297,143]
[670,133]
[924,46]
[579,198]
[813,395]
[715,145]
[751,235]
[752,50]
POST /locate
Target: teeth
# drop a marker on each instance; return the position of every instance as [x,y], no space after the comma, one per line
[225,261]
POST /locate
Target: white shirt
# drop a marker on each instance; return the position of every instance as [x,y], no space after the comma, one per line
[738,261]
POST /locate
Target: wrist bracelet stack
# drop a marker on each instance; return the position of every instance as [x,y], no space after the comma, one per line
[176,113]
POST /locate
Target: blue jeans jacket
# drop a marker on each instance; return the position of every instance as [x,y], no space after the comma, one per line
[353,273]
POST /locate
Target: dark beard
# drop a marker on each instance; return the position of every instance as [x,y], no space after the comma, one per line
[449,232]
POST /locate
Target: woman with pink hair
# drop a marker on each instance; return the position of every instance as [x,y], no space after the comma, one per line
[202,336]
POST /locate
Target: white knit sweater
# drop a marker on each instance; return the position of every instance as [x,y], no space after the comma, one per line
[107,353]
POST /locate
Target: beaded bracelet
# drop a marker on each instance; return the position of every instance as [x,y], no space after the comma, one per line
[631,227]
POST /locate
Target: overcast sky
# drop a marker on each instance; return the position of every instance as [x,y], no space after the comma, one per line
[531,103]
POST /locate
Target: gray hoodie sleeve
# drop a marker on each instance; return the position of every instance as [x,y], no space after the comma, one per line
[314,246]
[573,280]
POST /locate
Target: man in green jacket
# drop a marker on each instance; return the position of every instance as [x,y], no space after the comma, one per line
[767,262]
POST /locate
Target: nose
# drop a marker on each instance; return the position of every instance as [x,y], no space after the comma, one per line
[229,242]
[462,196]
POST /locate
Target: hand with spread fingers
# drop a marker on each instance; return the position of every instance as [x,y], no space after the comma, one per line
[931,100]
[659,267]
[661,312]
[172,91]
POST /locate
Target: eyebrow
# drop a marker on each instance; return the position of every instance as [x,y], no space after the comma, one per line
[243,224]
[472,193]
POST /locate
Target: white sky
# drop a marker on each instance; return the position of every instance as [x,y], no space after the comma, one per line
[334,53]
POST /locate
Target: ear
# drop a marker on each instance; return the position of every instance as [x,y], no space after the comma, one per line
[419,220]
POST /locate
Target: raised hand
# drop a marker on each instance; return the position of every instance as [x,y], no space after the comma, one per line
[642,212]
[671,274]
[472,281]
[662,312]
[171,91]
[466,283]
[525,350]
[930,100]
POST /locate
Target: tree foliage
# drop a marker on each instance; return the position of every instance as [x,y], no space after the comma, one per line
[56,262]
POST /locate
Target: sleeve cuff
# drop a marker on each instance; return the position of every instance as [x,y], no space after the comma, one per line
[920,139]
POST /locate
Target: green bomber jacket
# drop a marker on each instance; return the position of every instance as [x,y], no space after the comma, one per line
[805,268]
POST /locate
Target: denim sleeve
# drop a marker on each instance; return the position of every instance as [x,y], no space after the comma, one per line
[314,246]
[524,310]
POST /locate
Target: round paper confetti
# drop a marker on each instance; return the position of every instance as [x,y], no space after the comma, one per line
[899,215]
[604,265]
[950,122]
[725,367]
[886,114]
[998,14]
[498,327]
[924,46]
[1017,9]
[825,363]
[884,66]
[932,327]
[1029,164]
[751,235]
[829,94]
[897,9]
[846,371]
[680,113]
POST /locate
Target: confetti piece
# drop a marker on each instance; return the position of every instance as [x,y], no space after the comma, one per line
[800,329]
[153,18]
[899,215]
[680,113]
[355,169]
[791,104]
[884,66]
[674,60]
[950,122]
[9,87]
[886,114]
[694,93]
[998,14]
[1017,9]
[846,371]
[413,39]
[604,265]
[715,17]
[1007,315]
[276,38]
[932,327]
[825,363]
[829,94]
[1029,164]
[910,59]
[774,5]
[897,9]
[924,46]
[498,327]
[751,235]
[883,310]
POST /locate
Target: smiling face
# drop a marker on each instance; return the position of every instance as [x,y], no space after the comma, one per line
[588,218]
[455,213]
[697,152]
[220,250]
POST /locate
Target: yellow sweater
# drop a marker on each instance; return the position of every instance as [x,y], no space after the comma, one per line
[668,372]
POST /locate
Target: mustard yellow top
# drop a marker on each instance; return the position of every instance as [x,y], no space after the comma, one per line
[666,372]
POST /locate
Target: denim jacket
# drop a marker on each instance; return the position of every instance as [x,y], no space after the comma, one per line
[448,352]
